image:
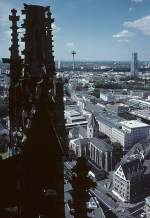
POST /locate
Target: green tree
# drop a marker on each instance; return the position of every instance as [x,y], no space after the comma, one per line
[4,140]
[99,83]
[96,93]
[117,152]
[81,184]
[107,85]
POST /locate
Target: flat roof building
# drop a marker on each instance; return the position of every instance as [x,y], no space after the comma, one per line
[133,124]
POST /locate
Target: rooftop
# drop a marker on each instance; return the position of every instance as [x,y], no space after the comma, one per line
[145,113]
[147,200]
[72,113]
[101,144]
[112,122]
[78,118]
[132,124]
[80,141]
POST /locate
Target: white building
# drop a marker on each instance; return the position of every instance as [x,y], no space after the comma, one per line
[74,118]
[127,133]
[123,138]
[106,96]
[147,207]
[105,126]
[131,132]
[137,130]
[121,185]
[127,179]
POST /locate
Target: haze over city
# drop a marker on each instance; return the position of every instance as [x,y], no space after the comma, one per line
[97,30]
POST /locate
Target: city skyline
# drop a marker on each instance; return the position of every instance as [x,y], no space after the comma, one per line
[96,30]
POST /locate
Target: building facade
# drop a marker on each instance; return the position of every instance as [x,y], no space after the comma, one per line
[135,131]
[127,133]
[121,186]
[127,179]
[101,153]
[79,146]
[147,207]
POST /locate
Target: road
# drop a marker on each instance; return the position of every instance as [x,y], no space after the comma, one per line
[138,213]
[104,199]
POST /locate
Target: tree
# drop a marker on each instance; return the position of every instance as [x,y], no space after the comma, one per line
[96,92]
[99,83]
[81,184]
[117,152]
[107,85]
[4,141]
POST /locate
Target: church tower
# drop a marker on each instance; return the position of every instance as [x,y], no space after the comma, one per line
[92,127]
[36,110]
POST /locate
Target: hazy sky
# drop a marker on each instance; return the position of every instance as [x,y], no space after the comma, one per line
[96,29]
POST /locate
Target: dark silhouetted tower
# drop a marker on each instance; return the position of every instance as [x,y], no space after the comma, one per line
[37,114]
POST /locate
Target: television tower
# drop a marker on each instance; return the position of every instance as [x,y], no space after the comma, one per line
[73,55]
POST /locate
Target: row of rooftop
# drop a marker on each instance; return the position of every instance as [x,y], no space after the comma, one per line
[96,126]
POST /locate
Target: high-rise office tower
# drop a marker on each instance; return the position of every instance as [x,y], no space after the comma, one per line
[134,64]
[59,65]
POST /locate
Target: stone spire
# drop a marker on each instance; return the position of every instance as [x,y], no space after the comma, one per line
[92,121]
[15,75]
[49,44]
[92,127]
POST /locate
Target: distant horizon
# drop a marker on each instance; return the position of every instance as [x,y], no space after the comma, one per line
[82,60]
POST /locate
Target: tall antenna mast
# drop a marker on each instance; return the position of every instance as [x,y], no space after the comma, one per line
[73,55]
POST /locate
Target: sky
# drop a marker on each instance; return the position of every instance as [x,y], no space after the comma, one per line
[95,29]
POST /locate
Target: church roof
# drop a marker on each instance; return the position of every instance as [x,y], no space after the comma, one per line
[78,130]
[101,145]
[81,142]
